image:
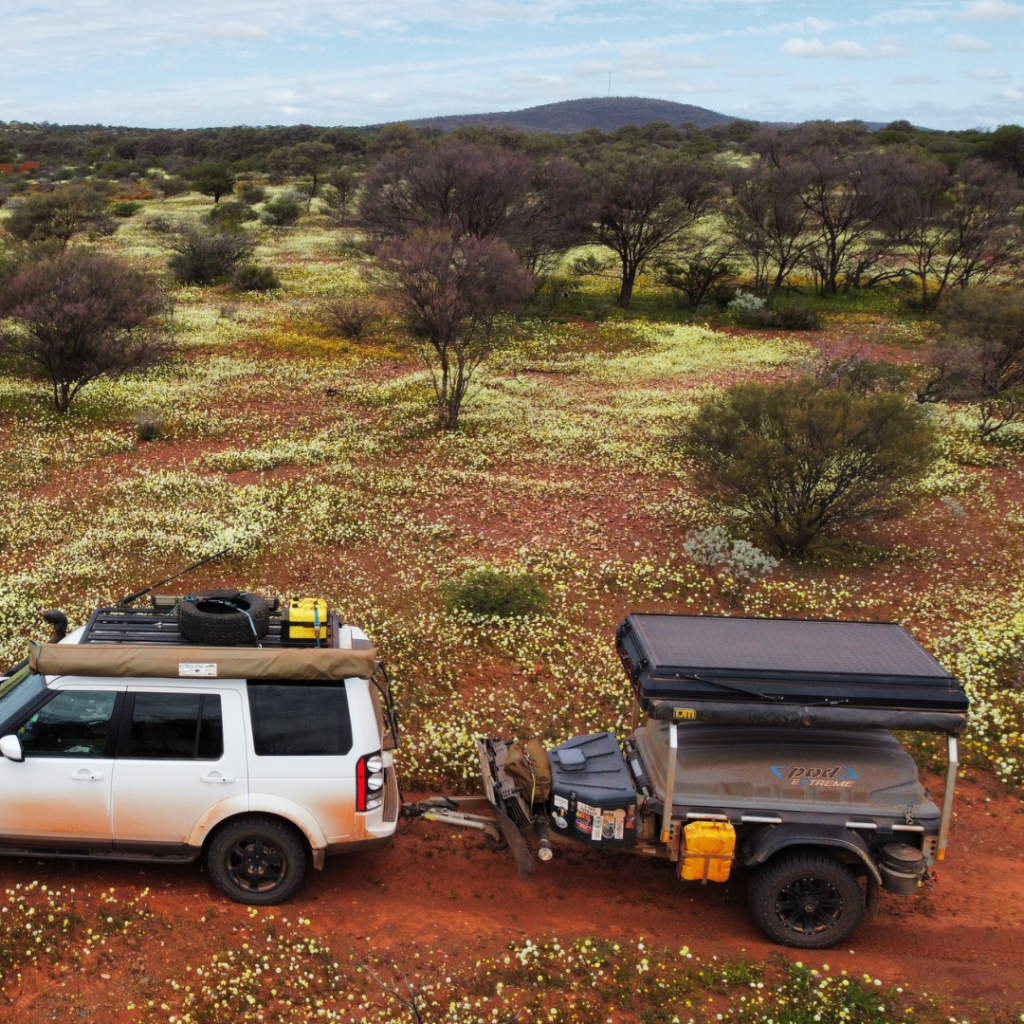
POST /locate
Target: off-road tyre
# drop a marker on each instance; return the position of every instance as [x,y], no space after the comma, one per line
[257,860]
[805,899]
[223,618]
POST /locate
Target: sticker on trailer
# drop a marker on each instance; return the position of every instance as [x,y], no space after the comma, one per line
[197,669]
[561,802]
[619,823]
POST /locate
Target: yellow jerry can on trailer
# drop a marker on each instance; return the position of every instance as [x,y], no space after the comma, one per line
[708,848]
[305,619]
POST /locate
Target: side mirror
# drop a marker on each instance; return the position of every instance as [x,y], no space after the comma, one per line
[10,747]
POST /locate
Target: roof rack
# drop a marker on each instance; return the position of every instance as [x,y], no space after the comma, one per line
[159,625]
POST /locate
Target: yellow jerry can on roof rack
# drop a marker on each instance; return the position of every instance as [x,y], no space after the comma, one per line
[305,621]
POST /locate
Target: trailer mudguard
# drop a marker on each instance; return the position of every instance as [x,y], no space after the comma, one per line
[768,841]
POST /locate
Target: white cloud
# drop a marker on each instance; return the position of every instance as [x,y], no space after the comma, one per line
[916,80]
[845,49]
[967,44]
[987,74]
[902,16]
[235,30]
[991,10]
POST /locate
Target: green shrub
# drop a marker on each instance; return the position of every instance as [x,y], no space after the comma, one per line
[251,193]
[200,257]
[253,278]
[488,591]
[126,208]
[231,214]
[281,213]
[798,460]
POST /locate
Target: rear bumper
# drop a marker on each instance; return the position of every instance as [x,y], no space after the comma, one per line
[355,845]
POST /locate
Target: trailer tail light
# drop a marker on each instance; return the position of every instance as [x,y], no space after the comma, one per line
[369,782]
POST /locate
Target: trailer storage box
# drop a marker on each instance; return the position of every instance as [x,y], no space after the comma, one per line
[786,672]
[592,795]
[795,774]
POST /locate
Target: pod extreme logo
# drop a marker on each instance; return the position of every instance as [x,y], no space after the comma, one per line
[839,776]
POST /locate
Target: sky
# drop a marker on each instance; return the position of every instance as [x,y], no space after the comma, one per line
[194,63]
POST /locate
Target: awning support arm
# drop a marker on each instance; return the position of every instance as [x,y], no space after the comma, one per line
[947,797]
[670,782]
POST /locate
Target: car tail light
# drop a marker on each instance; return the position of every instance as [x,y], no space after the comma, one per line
[369,782]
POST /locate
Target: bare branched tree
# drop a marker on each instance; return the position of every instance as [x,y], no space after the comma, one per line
[979,356]
[645,203]
[770,223]
[478,190]
[449,291]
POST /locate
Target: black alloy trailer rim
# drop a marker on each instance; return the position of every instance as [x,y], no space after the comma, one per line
[256,865]
[809,906]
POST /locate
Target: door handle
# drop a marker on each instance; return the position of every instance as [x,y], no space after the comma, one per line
[86,775]
[216,777]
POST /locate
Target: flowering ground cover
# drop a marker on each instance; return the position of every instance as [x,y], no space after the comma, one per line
[314,461]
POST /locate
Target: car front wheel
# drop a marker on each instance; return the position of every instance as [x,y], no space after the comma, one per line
[808,900]
[257,860]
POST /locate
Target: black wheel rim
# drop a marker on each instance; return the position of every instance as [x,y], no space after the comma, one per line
[256,865]
[809,906]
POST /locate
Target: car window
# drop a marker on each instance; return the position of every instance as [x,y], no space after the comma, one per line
[74,724]
[296,719]
[18,691]
[176,726]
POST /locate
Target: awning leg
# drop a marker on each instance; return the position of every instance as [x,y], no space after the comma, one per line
[947,797]
[670,782]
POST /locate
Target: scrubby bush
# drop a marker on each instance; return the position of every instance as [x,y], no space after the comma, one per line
[352,316]
[979,356]
[732,564]
[125,208]
[79,317]
[797,460]
[149,426]
[231,214]
[201,256]
[58,215]
[750,311]
[488,591]
[171,186]
[862,375]
[251,193]
[253,278]
[282,212]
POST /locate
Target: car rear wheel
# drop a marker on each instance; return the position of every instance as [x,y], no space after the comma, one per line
[807,900]
[257,860]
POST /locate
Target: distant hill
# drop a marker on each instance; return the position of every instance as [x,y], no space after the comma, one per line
[606,113]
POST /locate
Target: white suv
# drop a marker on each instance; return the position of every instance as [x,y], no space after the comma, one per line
[260,775]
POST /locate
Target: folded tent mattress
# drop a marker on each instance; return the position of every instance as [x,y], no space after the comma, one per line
[784,672]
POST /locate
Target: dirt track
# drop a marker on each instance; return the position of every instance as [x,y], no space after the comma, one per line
[962,941]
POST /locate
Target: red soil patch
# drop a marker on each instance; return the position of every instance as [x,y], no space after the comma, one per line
[962,939]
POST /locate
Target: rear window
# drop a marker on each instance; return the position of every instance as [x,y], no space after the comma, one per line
[299,719]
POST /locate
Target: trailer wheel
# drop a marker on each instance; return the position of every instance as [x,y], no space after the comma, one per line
[807,900]
[223,618]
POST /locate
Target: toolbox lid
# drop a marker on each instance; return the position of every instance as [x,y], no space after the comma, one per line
[594,769]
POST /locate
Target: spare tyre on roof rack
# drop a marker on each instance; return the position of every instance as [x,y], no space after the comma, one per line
[223,618]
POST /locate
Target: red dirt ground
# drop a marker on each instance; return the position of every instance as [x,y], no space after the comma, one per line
[962,940]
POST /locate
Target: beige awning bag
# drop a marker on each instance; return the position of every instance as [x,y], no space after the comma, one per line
[314,664]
